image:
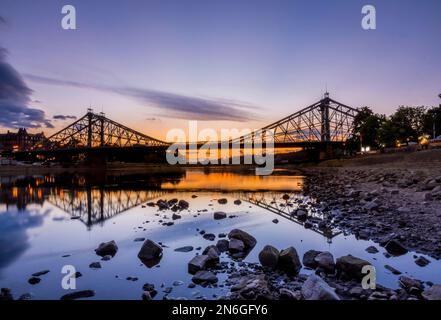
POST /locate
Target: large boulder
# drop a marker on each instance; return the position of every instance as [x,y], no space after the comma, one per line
[269,257]
[107,249]
[395,248]
[433,293]
[315,288]
[325,261]
[248,240]
[351,267]
[150,253]
[198,263]
[289,261]
[309,258]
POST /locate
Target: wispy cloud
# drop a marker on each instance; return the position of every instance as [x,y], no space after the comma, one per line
[169,104]
[15,99]
[63,117]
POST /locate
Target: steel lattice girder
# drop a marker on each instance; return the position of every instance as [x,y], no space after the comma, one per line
[323,121]
[95,130]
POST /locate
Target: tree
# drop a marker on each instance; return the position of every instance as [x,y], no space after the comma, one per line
[366,126]
[432,121]
[387,134]
[409,122]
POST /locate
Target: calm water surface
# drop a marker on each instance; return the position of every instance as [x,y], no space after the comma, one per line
[43,218]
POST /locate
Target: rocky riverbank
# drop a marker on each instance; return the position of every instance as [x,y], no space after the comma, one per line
[382,204]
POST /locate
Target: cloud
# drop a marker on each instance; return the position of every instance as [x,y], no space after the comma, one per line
[171,105]
[63,117]
[15,97]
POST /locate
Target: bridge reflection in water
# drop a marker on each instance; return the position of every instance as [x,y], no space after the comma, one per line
[93,199]
[286,207]
[95,205]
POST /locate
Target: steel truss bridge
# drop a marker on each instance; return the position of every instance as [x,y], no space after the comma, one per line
[97,131]
[95,205]
[326,121]
[324,124]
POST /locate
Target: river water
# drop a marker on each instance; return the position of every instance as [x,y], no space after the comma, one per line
[49,221]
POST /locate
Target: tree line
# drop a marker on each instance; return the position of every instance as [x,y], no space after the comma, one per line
[407,124]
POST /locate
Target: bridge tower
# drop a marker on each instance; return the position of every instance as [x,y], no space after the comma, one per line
[325,125]
[89,127]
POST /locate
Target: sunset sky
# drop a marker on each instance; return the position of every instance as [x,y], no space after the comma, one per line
[153,65]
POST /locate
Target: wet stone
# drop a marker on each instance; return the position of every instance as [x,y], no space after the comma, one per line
[248,240]
[218,215]
[422,262]
[107,248]
[309,258]
[315,288]
[222,245]
[392,269]
[204,277]
[209,236]
[34,280]
[40,273]
[236,245]
[289,261]
[150,251]
[395,248]
[269,257]
[198,263]
[184,249]
[325,261]
[95,265]
[176,216]
[351,266]
[371,250]
[25,296]
[78,295]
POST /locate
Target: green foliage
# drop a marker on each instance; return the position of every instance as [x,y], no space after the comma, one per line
[432,121]
[406,124]
[366,126]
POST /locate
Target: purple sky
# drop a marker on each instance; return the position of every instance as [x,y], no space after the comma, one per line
[239,63]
